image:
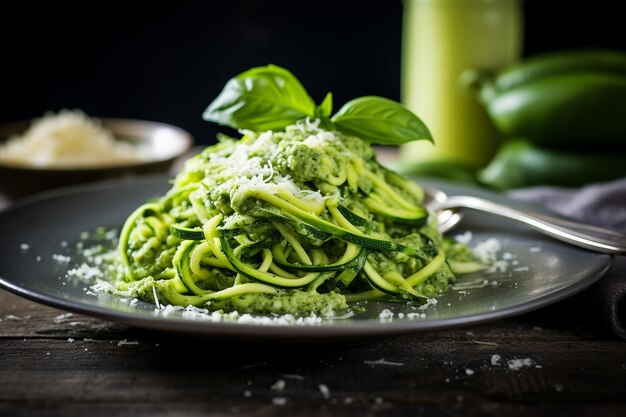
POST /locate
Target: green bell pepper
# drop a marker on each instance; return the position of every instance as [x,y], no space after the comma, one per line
[520,163]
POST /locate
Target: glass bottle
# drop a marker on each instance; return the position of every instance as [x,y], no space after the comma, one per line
[441,39]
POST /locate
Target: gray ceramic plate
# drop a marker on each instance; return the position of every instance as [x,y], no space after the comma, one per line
[537,271]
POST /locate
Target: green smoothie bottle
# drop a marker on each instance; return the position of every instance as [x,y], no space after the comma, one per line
[442,39]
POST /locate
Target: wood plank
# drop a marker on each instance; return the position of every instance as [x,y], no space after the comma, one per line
[439,373]
[310,408]
[26,319]
[431,368]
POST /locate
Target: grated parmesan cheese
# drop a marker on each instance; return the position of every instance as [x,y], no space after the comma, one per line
[84,272]
[382,361]
[278,385]
[429,302]
[61,258]
[386,315]
[324,390]
[517,364]
[486,251]
[68,139]
[294,376]
[195,313]
[62,317]
[279,400]
[465,238]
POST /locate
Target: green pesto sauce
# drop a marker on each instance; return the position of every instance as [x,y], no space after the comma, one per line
[291,302]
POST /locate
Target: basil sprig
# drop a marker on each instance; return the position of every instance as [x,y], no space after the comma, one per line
[271,98]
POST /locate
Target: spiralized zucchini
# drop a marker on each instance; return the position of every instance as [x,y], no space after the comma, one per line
[300,221]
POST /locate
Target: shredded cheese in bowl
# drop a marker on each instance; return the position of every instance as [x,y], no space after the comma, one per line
[68,139]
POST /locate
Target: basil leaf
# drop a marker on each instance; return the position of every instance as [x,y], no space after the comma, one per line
[262,98]
[379,120]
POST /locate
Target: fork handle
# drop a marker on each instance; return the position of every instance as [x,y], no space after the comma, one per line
[595,238]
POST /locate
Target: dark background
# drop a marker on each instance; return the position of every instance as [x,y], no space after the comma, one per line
[166,61]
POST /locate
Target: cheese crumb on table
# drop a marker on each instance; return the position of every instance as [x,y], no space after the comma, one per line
[324,390]
[517,364]
[279,400]
[382,361]
[278,385]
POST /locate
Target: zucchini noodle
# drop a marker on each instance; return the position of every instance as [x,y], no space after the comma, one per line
[301,221]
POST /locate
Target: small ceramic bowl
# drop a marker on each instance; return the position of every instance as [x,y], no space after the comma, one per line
[166,143]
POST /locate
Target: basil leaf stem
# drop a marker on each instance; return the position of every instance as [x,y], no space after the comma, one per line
[325,109]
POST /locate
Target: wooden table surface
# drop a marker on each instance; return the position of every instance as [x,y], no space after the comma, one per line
[55,364]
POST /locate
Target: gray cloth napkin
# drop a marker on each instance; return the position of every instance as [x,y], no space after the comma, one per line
[602,205]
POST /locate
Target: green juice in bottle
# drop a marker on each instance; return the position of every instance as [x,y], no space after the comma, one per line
[441,39]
